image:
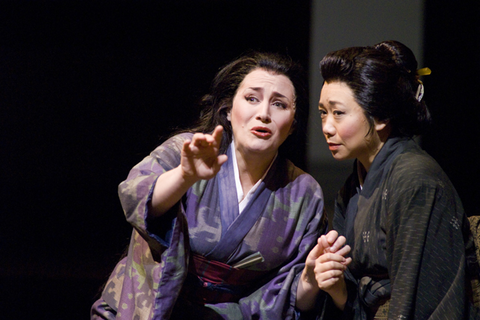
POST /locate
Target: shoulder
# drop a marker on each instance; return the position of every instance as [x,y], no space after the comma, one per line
[302,193]
[300,180]
[414,166]
[176,141]
[168,154]
[173,144]
[414,173]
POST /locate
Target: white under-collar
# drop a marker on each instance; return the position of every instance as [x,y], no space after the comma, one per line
[244,200]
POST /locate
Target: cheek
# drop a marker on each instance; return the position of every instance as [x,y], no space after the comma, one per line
[347,132]
[285,121]
[236,116]
[351,131]
[242,112]
[285,126]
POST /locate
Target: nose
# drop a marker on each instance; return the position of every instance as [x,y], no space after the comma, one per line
[263,113]
[328,127]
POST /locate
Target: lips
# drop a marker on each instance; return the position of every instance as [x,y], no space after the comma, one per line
[333,146]
[262,132]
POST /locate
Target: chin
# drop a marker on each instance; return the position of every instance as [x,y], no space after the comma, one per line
[338,157]
[260,147]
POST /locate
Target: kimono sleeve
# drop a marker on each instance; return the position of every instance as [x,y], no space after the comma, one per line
[424,246]
[136,191]
[146,283]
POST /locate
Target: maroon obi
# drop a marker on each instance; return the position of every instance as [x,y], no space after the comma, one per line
[210,281]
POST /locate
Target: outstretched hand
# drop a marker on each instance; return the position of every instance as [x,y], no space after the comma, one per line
[200,159]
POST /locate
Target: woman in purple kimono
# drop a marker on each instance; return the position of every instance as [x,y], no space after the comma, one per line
[222,221]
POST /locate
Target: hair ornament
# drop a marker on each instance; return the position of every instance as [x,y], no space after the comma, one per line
[424,72]
[421,89]
[420,92]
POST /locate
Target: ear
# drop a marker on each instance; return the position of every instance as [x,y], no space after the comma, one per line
[229,118]
[380,125]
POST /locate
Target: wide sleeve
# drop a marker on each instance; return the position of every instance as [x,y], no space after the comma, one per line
[136,191]
[424,246]
[276,298]
[146,283]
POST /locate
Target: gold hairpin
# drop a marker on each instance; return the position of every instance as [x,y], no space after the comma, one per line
[424,71]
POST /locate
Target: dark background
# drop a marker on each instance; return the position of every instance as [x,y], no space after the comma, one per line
[88,89]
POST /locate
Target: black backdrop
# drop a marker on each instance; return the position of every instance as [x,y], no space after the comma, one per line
[87,89]
[452,92]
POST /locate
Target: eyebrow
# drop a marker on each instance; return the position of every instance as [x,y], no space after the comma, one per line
[330,103]
[275,93]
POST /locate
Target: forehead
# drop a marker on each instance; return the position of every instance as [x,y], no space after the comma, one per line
[336,92]
[260,78]
[338,87]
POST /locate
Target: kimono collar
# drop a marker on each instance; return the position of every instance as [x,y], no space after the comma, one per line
[244,200]
[234,225]
[381,164]
[377,173]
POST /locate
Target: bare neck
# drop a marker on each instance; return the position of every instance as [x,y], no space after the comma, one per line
[252,169]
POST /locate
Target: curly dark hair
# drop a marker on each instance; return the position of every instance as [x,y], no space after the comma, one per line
[218,102]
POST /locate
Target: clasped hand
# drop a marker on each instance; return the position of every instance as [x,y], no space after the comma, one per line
[325,266]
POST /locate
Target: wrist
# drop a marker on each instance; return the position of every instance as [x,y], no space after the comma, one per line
[339,296]
[186,178]
[308,281]
[307,292]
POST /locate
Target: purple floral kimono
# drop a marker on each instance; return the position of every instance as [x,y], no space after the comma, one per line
[280,224]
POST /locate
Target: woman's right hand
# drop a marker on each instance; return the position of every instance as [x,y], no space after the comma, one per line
[200,159]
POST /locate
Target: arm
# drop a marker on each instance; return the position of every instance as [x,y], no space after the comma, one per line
[137,191]
[323,270]
[425,251]
[199,160]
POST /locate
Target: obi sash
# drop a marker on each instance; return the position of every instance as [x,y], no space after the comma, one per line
[210,281]
[382,312]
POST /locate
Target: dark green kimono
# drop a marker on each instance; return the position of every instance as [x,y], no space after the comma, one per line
[408,233]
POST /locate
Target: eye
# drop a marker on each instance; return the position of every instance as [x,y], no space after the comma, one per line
[280,105]
[251,99]
[322,112]
[338,113]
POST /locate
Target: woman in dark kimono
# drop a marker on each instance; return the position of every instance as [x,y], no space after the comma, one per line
[222,221]
[411,248]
